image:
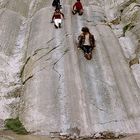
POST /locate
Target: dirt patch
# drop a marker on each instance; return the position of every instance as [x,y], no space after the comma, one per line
[8,135]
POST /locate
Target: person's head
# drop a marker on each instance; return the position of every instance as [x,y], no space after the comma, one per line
[57,10]
[78,0]
[85,30]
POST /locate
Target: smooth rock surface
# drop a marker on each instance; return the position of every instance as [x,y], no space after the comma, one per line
[61,91]
[60,84]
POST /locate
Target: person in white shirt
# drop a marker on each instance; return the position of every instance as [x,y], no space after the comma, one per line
[86,42]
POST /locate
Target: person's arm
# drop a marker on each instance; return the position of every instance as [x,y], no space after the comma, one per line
[62,15]
[53,17]
[74,6]
[79,41]
[82,6]
[93,41]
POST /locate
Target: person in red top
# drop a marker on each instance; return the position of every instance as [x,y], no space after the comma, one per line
[77,8]
[57,18]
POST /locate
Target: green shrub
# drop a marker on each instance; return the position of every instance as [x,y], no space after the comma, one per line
[15,125]
[127,27]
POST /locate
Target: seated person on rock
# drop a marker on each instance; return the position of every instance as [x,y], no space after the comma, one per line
[86,42]
[56,4]
[77,8]
[57,18]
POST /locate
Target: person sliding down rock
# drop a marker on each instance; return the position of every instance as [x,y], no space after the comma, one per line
[56,4]
[77,8]
[57,18]
[86,42]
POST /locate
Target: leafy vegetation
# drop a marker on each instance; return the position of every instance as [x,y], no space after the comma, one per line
[15,125]
[127,27]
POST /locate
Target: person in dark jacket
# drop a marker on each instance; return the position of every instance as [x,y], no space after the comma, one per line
[57,18]
[77,8]
[86,42]
[56,4]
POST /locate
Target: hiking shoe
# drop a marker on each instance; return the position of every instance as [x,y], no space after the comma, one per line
[74,12]
[80,13]
[56,26]
[59,25]
[86,55]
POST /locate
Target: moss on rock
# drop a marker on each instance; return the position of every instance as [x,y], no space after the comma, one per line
[15,125]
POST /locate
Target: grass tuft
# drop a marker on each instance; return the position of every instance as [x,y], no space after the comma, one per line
[127,27]
[15,125]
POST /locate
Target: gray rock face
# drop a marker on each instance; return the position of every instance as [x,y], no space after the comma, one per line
[19,6]
[127,30]
[61,90]
[10,23]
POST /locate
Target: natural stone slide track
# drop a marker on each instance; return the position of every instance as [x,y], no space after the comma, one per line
[62,90]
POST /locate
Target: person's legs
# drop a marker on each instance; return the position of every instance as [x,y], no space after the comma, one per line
[80,12]
[87,52]
[56,23]
[89,49]
[59,23]
[74,12]
[84,48]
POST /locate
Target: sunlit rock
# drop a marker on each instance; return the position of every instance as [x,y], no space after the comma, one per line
[19,6]
[49,83]
[131,14]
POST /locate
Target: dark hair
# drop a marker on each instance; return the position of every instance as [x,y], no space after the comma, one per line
[78,0]
[85,29]
[57,9]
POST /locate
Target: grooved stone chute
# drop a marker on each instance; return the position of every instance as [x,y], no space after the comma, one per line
[62,91]
[67,91]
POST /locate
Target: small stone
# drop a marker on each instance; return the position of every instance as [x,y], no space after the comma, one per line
[64,134]
[54,134]
[97,135]
[116,135]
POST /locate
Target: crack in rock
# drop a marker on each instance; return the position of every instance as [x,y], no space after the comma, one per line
[40,49]
[112,121]
[103,82]
[35,53]
[46,53]
[99,108]
[27,79]
[34,73]
[42,68]
[26,62]
[67,34]
[54,64]
[23,68]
